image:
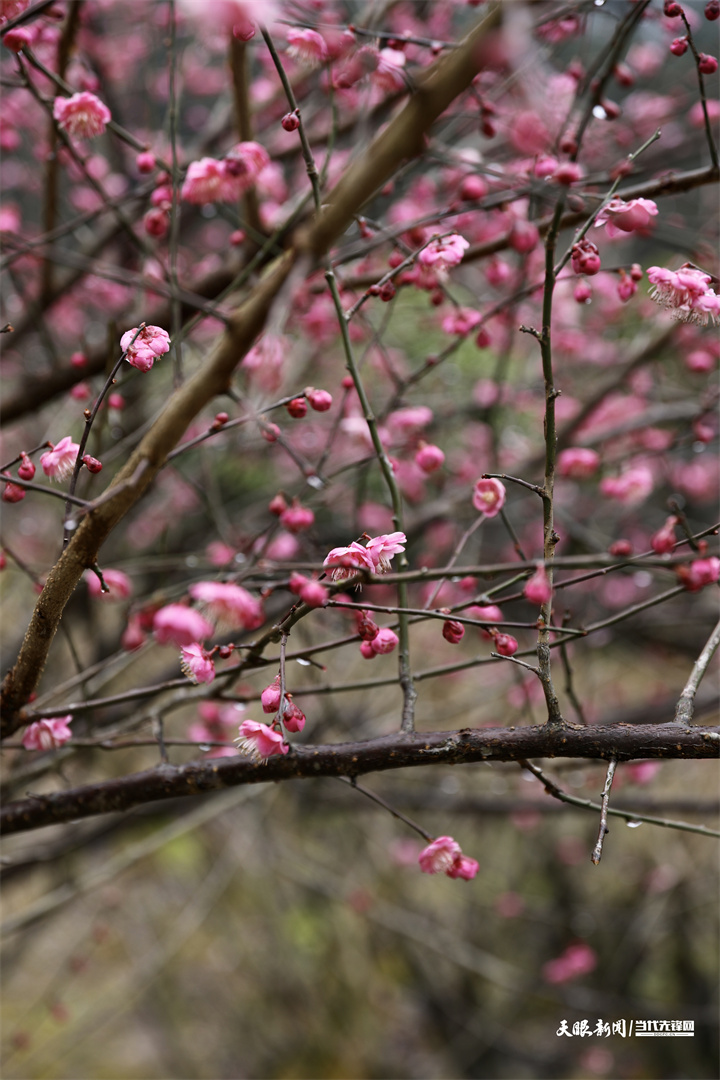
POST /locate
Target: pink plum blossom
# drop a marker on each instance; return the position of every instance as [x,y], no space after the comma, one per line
[83,115]
[196,663]
[489,496]
[577,960]
[178,625]
[59,462]
[632,488]
[578,462]
[259,742]
[461,321]
[444,253]
[382,548]
[307,46]
[624,217]
[388,74]
[444,856]
[686,292]
[151,343]
[47,734]
[231,606]
[345,561]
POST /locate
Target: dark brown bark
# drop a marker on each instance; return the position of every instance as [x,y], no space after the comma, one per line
[624,742]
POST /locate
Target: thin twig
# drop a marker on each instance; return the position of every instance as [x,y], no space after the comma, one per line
[604,804]
[627,815]
[686,704]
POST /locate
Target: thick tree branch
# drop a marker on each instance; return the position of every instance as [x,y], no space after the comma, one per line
[356,759]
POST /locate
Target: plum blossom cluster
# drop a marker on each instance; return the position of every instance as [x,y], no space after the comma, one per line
[47,734]
[444,253]
[144,348]
[83,116]
[261,741]
[686,292]
[374,557]
[210,180]
[444,856]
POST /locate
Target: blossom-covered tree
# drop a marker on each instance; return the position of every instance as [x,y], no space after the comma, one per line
[338,342]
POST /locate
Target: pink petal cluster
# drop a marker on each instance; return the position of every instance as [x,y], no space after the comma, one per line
[264,363]
[444,856]
[382,548]
[686,292]
[388,75]
[489,496]
[577,960]
[631,488]
[259,742]
[47,734]
[178,625]
[578,462]
[625,217]
[307,46]
[59,462]
[117,581]
[445,252]
[229,605]
[375,557]
[151,343]
[209,180]
[196,663]
[83,115]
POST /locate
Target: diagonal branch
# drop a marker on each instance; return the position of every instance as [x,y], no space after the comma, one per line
[447,78]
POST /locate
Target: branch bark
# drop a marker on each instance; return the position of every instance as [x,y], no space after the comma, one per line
[398,751]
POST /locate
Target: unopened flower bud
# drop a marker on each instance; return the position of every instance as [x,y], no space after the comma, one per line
[145,162]
[453,631]
[297,407]
[712,10]
[270,432]
[679,46]
[291,121]
[220,419]
[387,291]
[293,718]
[429,458]
[92,464]
[277,504]
[707,64]
[13,493]
[26,470]
[506,644]
[320,400]
[620,548]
